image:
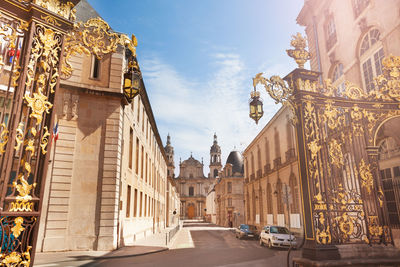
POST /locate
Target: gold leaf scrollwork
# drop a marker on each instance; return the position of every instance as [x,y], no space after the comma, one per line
[18,228]
[374,228]
[323,234]
[367,180]
[50,20]
[17,259]
[93,37]
[19,136]
[3,138]
[354,92]
[335,153]
[279,91]
[63,9]
[380,197]
[45,140]
[16,74]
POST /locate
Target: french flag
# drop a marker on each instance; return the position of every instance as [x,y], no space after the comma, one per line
[55,132]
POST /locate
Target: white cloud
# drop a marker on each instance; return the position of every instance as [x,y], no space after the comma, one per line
[191,111]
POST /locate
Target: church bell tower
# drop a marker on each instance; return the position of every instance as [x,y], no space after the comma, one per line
[215,158]
[169,151]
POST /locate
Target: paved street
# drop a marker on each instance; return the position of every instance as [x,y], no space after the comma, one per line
[205,245]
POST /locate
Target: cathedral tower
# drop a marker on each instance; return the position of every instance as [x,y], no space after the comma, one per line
[215,158]
[169,151]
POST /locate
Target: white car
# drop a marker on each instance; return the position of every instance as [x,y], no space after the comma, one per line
[277,236]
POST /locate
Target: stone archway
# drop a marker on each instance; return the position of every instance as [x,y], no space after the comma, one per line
[387,140]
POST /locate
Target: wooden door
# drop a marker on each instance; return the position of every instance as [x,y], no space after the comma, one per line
[191,211]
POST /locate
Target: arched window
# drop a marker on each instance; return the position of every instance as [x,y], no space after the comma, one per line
[215,173]
[294,190]
[279,196]
[371,55]
[269,199]
[338,78]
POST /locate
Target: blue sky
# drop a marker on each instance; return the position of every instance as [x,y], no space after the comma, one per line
[198,59]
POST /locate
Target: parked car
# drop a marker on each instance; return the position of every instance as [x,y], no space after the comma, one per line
[277,236]
[245,230]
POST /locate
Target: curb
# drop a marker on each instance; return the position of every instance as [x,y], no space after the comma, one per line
[130,255]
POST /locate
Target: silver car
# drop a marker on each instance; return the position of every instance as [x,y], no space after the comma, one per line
[277,236]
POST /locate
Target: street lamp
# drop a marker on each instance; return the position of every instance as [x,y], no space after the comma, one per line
[256,106]
[132,77]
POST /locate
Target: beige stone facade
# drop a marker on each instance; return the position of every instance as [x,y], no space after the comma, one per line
[348,40]
[229,197]
[270,166]
[107,180]
[193,187]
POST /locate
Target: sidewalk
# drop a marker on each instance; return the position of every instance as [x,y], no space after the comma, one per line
[153,244]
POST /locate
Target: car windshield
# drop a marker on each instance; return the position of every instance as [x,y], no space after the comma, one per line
[248,227]
[279,230]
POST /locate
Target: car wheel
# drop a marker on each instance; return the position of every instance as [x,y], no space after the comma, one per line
[261,242]
[269,243]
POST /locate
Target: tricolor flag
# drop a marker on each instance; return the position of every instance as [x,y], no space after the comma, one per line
[55,132]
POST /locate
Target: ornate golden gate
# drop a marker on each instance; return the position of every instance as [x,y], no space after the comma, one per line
[31,45]
[343,201]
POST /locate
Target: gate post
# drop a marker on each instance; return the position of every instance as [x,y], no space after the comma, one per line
[34,30]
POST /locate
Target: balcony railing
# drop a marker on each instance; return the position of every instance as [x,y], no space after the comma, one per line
[290,154]
[277,162]
[259,174]
[267,168]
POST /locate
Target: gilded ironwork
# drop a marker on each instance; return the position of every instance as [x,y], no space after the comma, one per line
[299,53]
[279,91]
[62,9]
[39,104]
[3,137]
[19,138]
[339,130]
[94,37]
[45,140]
[367,180]
[18,228]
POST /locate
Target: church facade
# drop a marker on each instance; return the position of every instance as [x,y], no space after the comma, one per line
[191,183]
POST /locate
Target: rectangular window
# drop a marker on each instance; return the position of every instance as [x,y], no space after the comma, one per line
[145,205]
[128,202]
[229,187]
[130,148]
[368,75]
[143,121]
[137,156]
[138,110]
[146,168]
[396,171]
[229,202]
[141,205]
[141,164]
[378,56]
[147,129]
[95,70]
[148,207]
[135,204]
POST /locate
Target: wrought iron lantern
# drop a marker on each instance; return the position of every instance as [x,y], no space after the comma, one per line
[256,106]
[132,78]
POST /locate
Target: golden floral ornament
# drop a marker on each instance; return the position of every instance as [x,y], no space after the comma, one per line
[299,53]
[367,180]
[17,259]
[62,9]
[39,104]
[3,137]
[374,228]
[18,228]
